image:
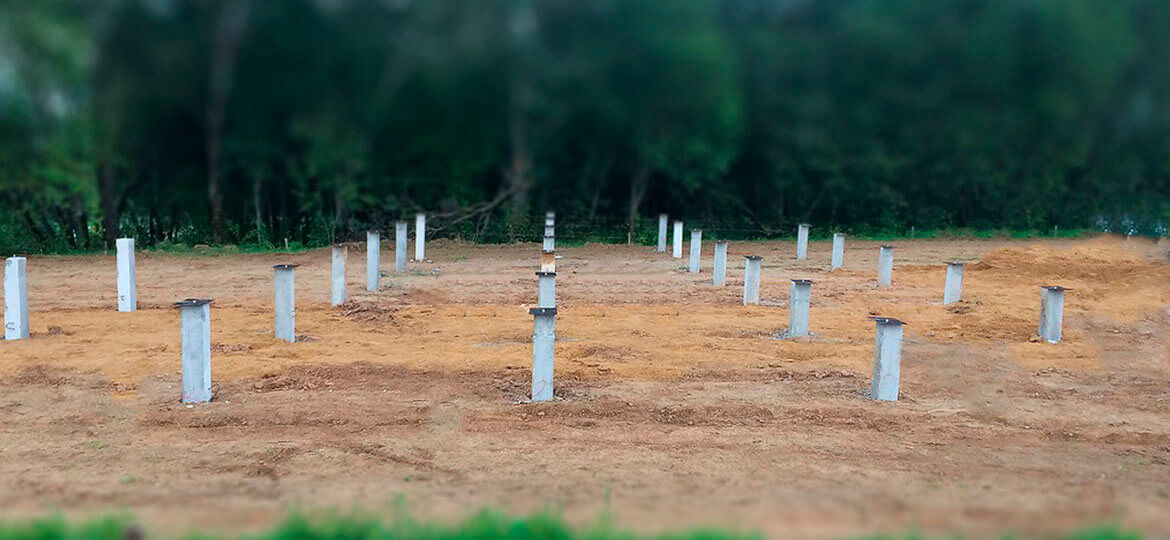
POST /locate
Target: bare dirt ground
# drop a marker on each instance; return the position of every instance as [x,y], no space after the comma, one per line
[680,407]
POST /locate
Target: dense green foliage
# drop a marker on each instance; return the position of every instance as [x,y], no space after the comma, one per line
[484,526]
[251,121]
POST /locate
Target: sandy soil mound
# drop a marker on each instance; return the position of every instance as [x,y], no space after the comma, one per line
[1108,277]
[1101,258]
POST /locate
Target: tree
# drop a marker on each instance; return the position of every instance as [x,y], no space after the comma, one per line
[231,20]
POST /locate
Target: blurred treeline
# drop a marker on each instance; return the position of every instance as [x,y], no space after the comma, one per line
[255,121]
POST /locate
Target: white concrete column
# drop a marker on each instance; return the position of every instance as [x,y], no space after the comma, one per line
[549,244]
[802,242]
[339,296]
[720,266]
[196,350]
[547,289]
[1052,314]
[544,338]
[550,230]
[400,241]
[676,244]
[696,250]
[373,256]
[662,233]
[798,308]
[15,299]
[838,258]
[420,237]
[127,280]
[953,291]
[887,359]
[548,261]
[885,267]
[751,280]
[550,219]
[285,302]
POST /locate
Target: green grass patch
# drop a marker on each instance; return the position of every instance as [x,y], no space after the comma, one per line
[486,525]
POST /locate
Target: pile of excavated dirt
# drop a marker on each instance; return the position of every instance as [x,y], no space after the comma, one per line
[1109,276]
[1102,258]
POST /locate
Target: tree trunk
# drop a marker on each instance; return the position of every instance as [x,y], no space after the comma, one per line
[520,165]
[521,27]
[173,226]
[593,174]
[340,208]
[64,218]
[109,203]
[214,194]
[82,218]
[229,32]
[638,186]
[155,230]
[256,209]
[34,228]
[781,201]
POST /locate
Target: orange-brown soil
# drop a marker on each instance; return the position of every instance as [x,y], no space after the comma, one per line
[678,405]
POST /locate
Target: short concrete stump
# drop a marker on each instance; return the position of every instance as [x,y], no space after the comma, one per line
[196,349]
[544,339]
[887,359]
